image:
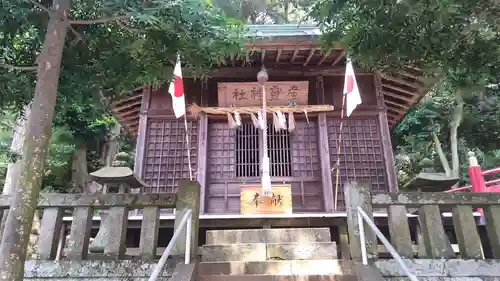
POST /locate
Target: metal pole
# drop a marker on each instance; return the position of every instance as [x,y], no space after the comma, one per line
[187,257]
[161,263]
[362,239]
[387,244]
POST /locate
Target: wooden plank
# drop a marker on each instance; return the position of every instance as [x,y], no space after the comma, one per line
[184,272]
[436,242]
[337,59]
[116,234]
[416,199]
[50,231]
[250,94]
[324,155]
[78,243]
[358,194]
[149,233]
[492,216]
[142,132]
[311,54]
[400,230]
[46,200]
[466,231]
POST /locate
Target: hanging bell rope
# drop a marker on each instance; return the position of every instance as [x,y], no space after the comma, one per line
[195,109]
[265,180]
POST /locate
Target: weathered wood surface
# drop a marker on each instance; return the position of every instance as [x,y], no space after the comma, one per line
[417,199]
[162,200]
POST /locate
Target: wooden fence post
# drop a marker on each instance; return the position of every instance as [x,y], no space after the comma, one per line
[188,198]
[358,194]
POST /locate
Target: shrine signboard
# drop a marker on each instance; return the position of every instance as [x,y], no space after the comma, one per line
[250,93]
[252,201]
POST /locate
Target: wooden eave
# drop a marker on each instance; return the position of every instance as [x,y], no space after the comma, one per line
[401,90]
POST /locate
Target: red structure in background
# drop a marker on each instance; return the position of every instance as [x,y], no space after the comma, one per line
[478,183]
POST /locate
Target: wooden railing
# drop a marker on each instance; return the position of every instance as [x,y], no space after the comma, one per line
[83,208]
[433,241]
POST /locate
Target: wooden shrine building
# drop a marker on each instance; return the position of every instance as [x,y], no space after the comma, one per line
[224,159]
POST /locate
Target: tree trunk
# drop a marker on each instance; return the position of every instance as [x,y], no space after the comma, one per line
[13,169]
[79,173]
[39,129]
[112,145]
[442,156]
[454,124]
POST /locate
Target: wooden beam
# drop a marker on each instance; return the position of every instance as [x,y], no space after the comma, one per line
[127,99]
[325,56]
[404,106]
[295,52]
[128,114]
[128,105]
[399,111]
[294,70]
[311,53]
[278,55]
[337,59]
[396,96]
[392,87]
[399,81]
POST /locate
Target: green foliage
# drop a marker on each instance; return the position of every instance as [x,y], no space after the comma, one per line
[101,61]
[456,38]
[478,132]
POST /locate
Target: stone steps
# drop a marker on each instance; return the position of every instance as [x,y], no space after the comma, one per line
[270,251]
[277,278]
[291,267]
[299,254]
[273,235]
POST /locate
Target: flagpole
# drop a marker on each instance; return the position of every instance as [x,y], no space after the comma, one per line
[188,148]
[339,146]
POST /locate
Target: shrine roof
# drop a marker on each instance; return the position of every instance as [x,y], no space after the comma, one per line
[293,49]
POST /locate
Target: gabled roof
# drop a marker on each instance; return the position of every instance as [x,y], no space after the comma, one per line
[298,46]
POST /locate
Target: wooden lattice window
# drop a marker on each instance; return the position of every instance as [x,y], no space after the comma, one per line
[166,161]
[361,154]
[248,156]
[247,151]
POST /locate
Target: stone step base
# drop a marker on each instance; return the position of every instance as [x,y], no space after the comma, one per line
[292,267]
[273,235]
[270,251]
[277,278]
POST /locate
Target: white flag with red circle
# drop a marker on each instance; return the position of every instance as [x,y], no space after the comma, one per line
[176,90]
[351,90]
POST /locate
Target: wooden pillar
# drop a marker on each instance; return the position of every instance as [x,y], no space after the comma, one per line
[141,132]
[385,136]
[201,175]
[324,156]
